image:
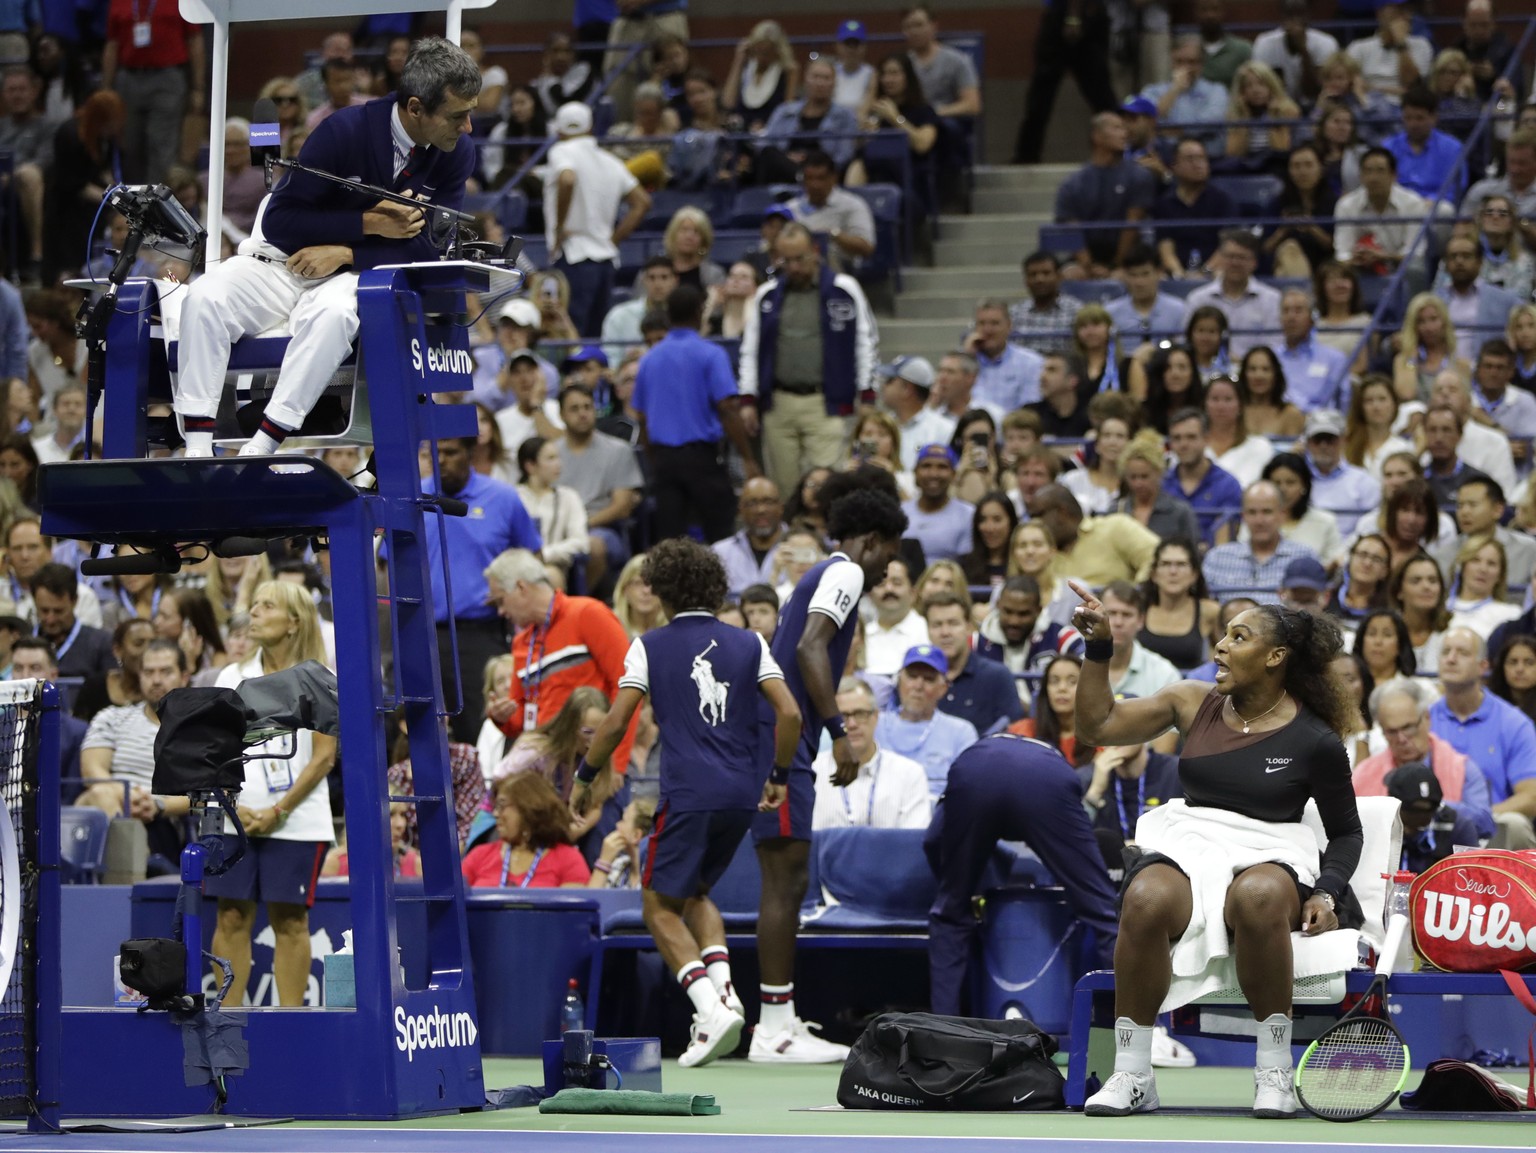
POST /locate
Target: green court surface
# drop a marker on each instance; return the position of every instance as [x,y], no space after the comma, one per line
[792,1101]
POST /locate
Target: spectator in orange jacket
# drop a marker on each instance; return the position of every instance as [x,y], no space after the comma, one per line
[561,643]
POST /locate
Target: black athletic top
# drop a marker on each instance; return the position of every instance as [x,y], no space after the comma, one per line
[1269,776]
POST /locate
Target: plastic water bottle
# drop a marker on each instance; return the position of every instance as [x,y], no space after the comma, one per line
[1398,902]
[573,1011]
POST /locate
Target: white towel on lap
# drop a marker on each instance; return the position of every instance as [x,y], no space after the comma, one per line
[1212,846]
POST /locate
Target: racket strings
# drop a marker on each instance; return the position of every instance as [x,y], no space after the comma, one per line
[1353,1067]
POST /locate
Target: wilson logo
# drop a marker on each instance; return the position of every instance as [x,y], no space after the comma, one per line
[1490,926]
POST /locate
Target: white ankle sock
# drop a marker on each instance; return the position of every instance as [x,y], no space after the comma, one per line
[1274,1050]
[717,959]
[199,443]
[1133,1046]
[778,1007]
[260,445]
[700,989]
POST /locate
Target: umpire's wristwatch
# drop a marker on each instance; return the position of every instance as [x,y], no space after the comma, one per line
[1326,896]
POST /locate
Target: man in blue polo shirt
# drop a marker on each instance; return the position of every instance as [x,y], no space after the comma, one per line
[1490,731]
[914,726]
[1316,376]
[1209,489]
[496,521]
[1426,157]
[940,522]
[980,691]
[686,397]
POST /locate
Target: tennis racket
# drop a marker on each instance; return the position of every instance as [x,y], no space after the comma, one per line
[1358,1067]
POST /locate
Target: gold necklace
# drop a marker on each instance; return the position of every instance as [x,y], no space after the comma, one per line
[1258,718]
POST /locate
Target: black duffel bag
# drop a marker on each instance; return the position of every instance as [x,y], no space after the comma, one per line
[925,1061]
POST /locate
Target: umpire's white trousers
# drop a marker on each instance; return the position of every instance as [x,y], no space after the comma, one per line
[243,296]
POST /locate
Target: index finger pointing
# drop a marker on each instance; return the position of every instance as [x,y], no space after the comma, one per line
[1084,595]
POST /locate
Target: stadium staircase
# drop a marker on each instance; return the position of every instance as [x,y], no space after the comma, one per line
[975,256]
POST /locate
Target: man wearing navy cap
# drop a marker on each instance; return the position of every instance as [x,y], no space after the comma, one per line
[855,75]
[915,727]
[908,380]
[1074,37]
[1304,587]
[940,522]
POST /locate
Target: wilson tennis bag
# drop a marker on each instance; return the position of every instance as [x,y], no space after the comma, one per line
[1475,912]
[924,1061]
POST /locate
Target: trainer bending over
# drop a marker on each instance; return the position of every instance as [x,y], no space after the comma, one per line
[312,237]
[1233,871]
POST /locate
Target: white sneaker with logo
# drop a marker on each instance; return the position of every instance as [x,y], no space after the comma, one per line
[1123,1094]
[712,1036]
[795,1045]
[1168,1053]
[1274,1093]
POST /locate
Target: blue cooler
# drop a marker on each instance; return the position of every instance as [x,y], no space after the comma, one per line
[1030,957]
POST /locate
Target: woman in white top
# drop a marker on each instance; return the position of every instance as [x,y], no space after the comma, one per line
[1480,588]
[763,75]
[855,75]
[1417,592]
[492,744]
[556,508]
[1228,440]
[284,806]
[1368,438]
[1097,486]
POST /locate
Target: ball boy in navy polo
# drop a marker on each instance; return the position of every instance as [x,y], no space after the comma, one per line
[811,644]
[705,680]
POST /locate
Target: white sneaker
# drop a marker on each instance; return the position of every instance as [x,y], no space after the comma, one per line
[712,1036]
[1274,1094]
[1122,1094]
[1167,1053]
[732,1001]
[795,1045]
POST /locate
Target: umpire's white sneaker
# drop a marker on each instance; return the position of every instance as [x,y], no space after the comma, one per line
[1122,1094]
[712,1036]
[795,1045]
[1273,1093]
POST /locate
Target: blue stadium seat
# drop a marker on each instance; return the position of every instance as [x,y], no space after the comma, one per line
[1255,195]
[602,115]
[884,202]
[82,844]
[879,878]
[1092,291]
[665,202]
[731,244]
[750,204]
[512,209]
[1062,239]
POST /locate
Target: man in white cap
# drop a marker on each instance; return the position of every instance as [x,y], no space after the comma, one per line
[518,328]
[1344,489]
[907,382]
[583,188]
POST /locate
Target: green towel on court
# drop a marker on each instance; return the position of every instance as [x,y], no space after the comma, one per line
[631,1101]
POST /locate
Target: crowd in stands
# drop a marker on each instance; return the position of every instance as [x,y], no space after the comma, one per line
[1184,415]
